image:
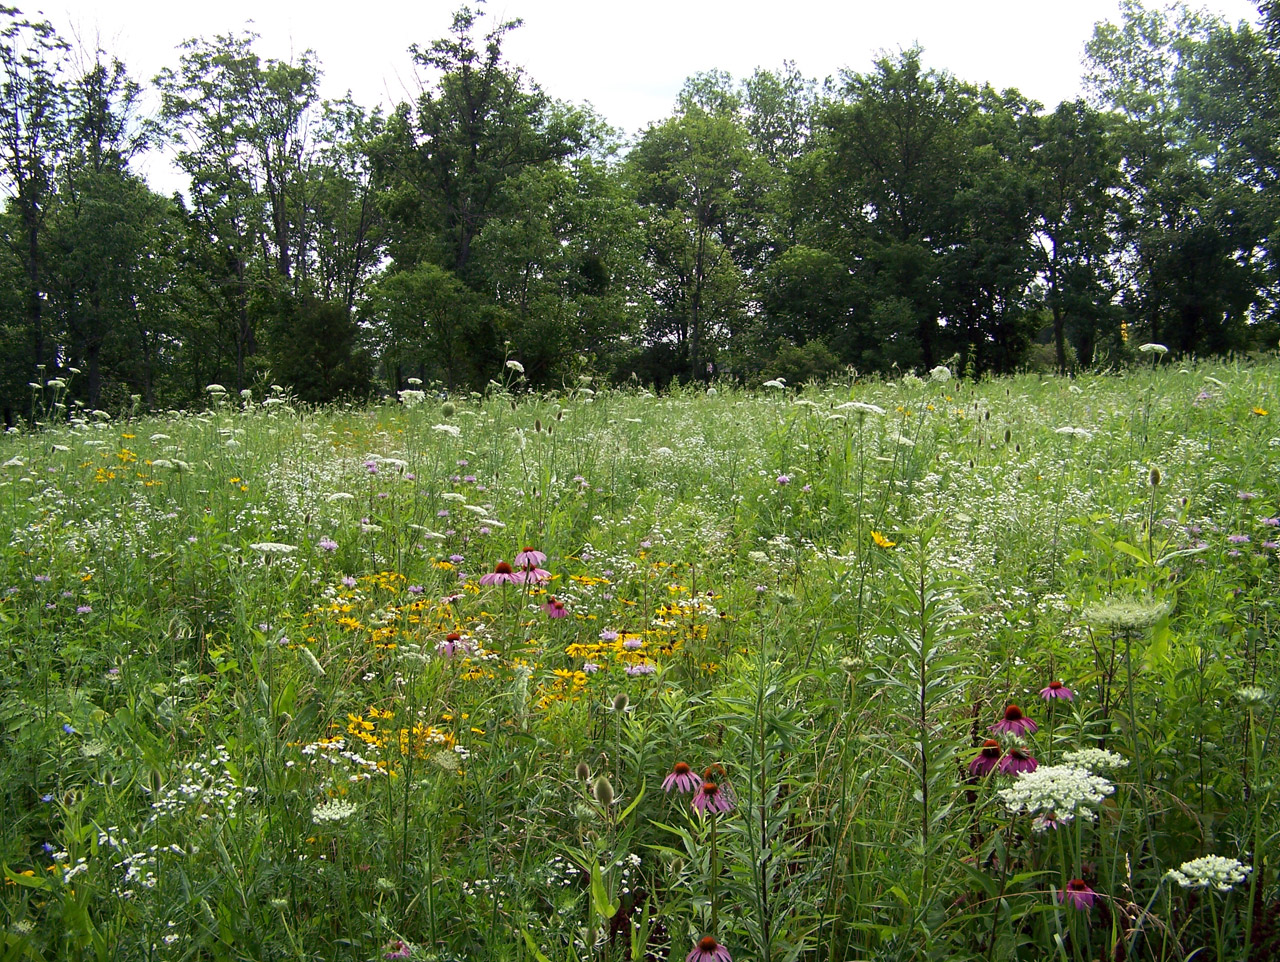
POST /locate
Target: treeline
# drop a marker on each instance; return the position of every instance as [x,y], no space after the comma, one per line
[880,220]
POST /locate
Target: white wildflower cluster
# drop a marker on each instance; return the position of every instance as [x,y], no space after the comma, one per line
[495,888]
[411,398]
[862,407]
[273,547]
[334,752]
[1210,870]
[205,786]
[1095,759]
[333,810]
[1064,790]
[629,864]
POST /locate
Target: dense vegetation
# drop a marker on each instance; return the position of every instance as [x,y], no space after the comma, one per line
[768,226]
[268,688]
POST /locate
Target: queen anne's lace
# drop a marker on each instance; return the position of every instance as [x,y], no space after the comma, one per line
[1095,759]
[1216,870]
[1064,790]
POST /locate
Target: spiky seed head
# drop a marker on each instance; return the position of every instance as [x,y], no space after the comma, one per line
[603,791]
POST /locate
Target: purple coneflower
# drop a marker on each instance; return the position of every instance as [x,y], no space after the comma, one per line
[554,607]
[451,646]
[501,575]
[713,798]
[1017,761]
[528,558]
[1057,689]
[1078,893]
[1014,722]
[681,779]
[708,950]
[986,759]
[531,574]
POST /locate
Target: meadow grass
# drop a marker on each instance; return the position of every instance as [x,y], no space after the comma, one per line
[255,702]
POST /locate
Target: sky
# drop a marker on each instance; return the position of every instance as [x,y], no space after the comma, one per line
[627,59]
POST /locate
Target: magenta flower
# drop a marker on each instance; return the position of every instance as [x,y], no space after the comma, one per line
[554,607]
[528,558]
[1078,893]
[531,574]
[1057,689]
[681,779]
[501,575]
[1017,762]
[397,949]
[1014,722]
[708,950]
[713,798]
[452,645]
[986,759]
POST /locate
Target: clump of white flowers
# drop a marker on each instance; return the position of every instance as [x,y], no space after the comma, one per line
[1216,870]
[1095,759]
[334,810]
[940,374]
[862,407]
[1064,790]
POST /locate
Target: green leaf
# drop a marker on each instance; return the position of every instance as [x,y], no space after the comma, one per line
[533,946]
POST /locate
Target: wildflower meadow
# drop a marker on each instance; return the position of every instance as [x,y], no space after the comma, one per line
[878,670]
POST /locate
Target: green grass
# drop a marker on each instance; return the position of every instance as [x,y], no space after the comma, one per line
[234,723]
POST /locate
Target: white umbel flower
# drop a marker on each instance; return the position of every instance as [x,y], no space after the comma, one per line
[1065,790]
[1222,873]
[1095,759]
[862,407]
[273,547]
[334,810]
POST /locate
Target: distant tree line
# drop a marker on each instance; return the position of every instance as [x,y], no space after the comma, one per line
[881,220]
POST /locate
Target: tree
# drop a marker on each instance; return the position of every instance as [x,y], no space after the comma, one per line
[32,135]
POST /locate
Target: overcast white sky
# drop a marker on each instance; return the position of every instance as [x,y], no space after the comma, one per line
[627,59]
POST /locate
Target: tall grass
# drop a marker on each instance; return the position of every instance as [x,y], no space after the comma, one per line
[255,702]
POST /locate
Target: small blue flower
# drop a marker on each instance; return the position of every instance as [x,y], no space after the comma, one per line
[68,729]
[46,798]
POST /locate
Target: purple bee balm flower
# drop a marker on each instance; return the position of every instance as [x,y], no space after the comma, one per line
[415,589]
[714,798]
[1057,689]
[457,559]
[784,480]
[1078,894]
[681,779]
[590,667]
[1271,522]
[348,582]
[554,608]
[529,558]
[1238,538]
[631,644]
[328,544]
[501,575]
[84,609]
[986,760]
[608,635]
[708,950]
[1017,762]
[398,949]
[644,668]
[1014,722]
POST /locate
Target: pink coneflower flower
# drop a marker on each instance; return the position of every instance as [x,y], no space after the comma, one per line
[708,950]
[1078,893]
[528,558]
[532,575]
[554,607]
[451,646]
[398,949]
[1057,689]
[681,779]
[1017,761]
[714,798]
[1014,722]
[501,575]
[986,760]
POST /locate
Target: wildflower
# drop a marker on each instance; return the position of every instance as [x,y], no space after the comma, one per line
[1224,874]
[515,366]
[1151,348]
[529,557]
[681,779]
[554,608]
[451,429]
[632,644]
[1260,412]
[644,668]
[590,667]
[1078,893]
[328,544]
[1057,689]
[881,540]
[784,480]
[862,407]
[1014,722]
[1252,696]
[777,382]
[1074,432]
[1042,823]
[68,729]
[532,574]
[334,810]
[398,949]
[1238,538]
[1095,759]
[583,771]
[500,575]
[986,759]
[415,589]
[84,609]
[713,798]
[603,791]
[273,547]
[348,582]
[1066,790]
[708,950]
[608,635]
[451,646]
[1018,760]
[1127,614]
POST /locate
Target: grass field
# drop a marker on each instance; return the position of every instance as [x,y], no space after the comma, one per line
[614,676]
